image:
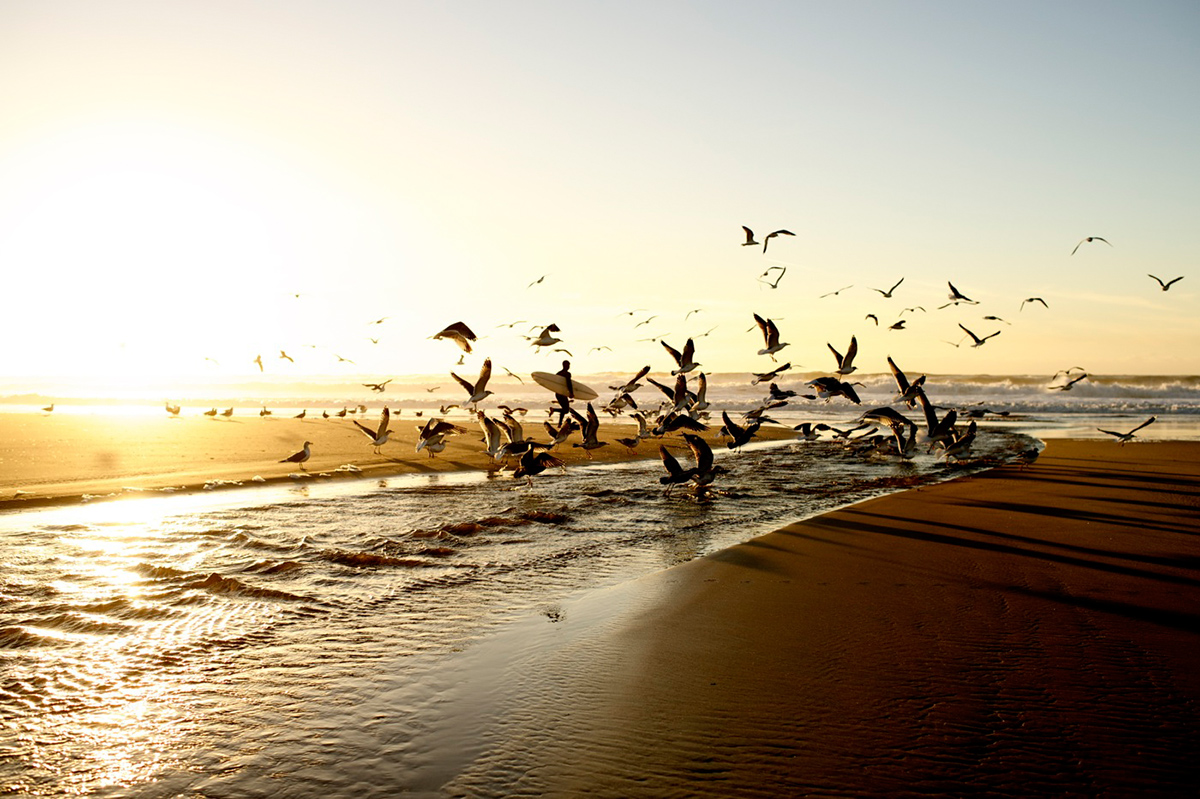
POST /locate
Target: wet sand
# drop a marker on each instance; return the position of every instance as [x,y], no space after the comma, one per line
[56,458]
[1022,632]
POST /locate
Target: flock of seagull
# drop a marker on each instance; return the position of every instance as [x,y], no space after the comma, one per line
[684,410]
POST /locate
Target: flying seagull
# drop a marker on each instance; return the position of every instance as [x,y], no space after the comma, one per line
[459,333]
[770,336]
[773,284]
[1168,284]
[378,436]
[773,234]
[378,386]
[978,341]
[749,242]
[888,293]
[478,390]
[684,360]
[1089,239]
[845,362]
[1125,438]
[1033,299]
[956,297]
[299,457]
[835,293]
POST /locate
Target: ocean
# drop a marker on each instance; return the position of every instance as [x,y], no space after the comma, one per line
[310,640]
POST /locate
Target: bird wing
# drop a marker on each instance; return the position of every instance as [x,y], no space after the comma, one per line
[851,352]
[1081,241]
[762,325]
[701,451]
[901,380]
[734,430]
[893,288]
[485,374]
[849,392]
[836,354]
[749,235]
[368,432]
[1157,279]
[1111,433]
[1170,282]
[470,389]
[670,462]
[383,423]
[977,339]
[689,351]
[674,353]
[1140,426]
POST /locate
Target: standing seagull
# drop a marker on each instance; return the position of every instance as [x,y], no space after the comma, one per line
[845,362]
[478,390]
[378,437]
[684,360]
[1089,239]
[1168,284]
[773,234]
[770,336]
[1125,438]
[299,457]
[888,293]
[978,341]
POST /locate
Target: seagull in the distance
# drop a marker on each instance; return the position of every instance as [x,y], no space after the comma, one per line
[782,270]
[773,234]
[1088,239]
[1125,438]
[749,242]
[979,342]
[1168,284]
[835,293]
[379,387]
[1033,299]
[888,293]
[283,356]
[956,297]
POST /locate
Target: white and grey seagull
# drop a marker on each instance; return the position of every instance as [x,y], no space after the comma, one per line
[478,390]
[300,457]
[379,436]
[770,337]
[845,362]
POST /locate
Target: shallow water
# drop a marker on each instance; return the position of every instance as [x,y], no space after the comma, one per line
[211,643]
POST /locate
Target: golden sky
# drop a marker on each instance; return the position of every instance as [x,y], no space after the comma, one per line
[173,175]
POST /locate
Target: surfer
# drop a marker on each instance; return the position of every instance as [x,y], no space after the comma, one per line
[564,400]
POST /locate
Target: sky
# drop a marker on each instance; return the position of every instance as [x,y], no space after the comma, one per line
[186,186]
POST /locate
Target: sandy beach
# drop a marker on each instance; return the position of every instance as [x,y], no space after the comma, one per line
[55,458]
[1023,632]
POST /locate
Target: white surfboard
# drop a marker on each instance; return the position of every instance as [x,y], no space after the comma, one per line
[558,384]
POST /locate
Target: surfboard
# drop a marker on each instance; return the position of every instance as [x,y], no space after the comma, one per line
[558,384]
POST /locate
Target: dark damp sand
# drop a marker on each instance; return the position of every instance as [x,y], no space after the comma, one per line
[49,458]
[1023,632]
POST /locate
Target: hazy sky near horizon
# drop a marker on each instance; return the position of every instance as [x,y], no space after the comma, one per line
[173,175]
